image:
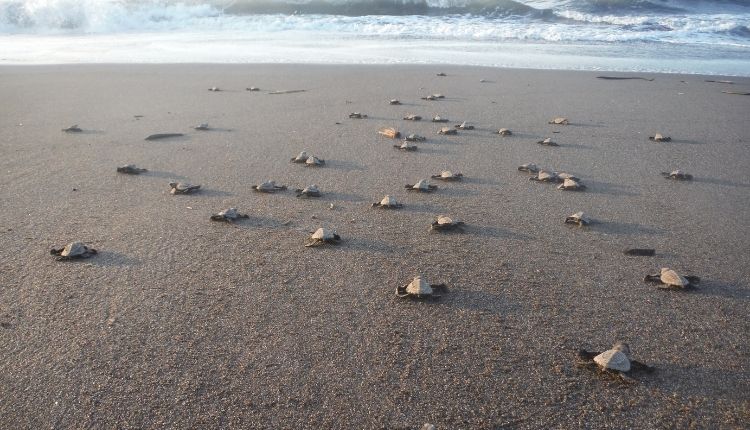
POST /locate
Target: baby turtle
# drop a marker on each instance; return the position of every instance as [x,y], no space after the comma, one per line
[309,191]
[504,132]
[659,138]
[357,115]
[214,89]
[419,288]
[447,175]
[677,175]
[394,102]
[313,161]
[322,236]
[546,176]
[441,74]
[228,215]
[389,132]
[669,278]
[202,127]
[615,361]
[183,188]
[447,131]
[72,129]
[528,167]
[405,146]
[578,218]
[464,126]
[388,202]
[73,251]
[444,223]
[431,97]
[438,118]
[559,121]
[130,169]
[301,157]
[412,117]
[422,186]
[268,187]
[547,142]
[571,185]
[415,138]
[252,89]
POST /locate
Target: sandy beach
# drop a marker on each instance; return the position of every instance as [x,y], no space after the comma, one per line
[180,322]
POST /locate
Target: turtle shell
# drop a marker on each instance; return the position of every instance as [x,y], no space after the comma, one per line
[74,249]
[314,161]
[613,359]
[447,174]
[546,176]
[267,186]
[672,278]
[444,220]
[419,287]
[422,184]
[438,118]
[559,120]
[311,189]
[447,130]
[578,218]
[182,187]
[504,132]
[388,201]
[412,117]
[528,167]
[202,126]
[230,213]
[570,184]
[394,102]
[323,234]
[301,157]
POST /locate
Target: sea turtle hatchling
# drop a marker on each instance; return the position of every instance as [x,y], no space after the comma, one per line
[415,138]
[447,175]
[438,118]
[445,223]
[615,361]
[183,188]
[421,186]
[433,97]
[546,176]
[73,251]
[659,138]
[447,131]
[578,218]
[547,141]
[677,175]
[228,215]
[504,132]
[528,167]
[464,126]
[214,89]
[309,191]
[252,89]
[571,185]
[301,157]
[412,117]
[322,236]
[388,202]
[72,129]
[394,102]
[669,278]
[559,121]
[419,288]
[131,169]
[357,115]
[313,161]
[268,187]
[389,132]
[406,146]
[202,127]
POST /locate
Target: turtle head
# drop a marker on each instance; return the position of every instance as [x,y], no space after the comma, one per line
[622,347]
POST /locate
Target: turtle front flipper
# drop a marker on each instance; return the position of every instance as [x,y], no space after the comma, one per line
[375,205]
[56,251]
[401,291]
[586,356]
[652,278]
[637,366]
[218,217]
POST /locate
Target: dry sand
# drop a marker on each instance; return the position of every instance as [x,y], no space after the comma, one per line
[180,322]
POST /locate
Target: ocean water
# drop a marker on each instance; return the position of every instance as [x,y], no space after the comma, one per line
[686,36]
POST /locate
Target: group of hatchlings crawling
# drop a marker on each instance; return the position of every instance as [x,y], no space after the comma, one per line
[615,362]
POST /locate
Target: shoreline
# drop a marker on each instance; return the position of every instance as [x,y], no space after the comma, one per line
[183,322]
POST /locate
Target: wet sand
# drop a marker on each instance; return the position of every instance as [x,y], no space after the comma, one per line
[182,322]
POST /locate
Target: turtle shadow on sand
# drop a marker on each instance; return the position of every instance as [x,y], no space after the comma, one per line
[369,246]
[449,190]
[495,232]
[624,228]
[425,149]
[112,259]
[344,197]
[711,288]
[347,166]
[213,129]
[683,142]
[422,207]
[722,182]
[92,132]
[252,222]
[164,174]
[475,301]
[701,381]
[574,146]
[608,188]
[482,181]
[213,193]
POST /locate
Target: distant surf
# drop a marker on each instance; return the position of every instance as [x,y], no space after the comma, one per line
[689,36]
